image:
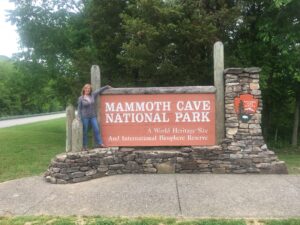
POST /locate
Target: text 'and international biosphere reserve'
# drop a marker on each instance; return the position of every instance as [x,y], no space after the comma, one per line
[158,120]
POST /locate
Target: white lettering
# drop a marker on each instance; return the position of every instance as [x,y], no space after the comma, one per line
[118,118]
[180,105]
[197,138]
[205,117]
[109,107]
[186,117]
[137,106]
[129,106]
[126,117]
[188,106]
[196,116]
[191,117]
[178,116]
[136,118]
[193,105]
[166,106]
[109,118]
[206,105]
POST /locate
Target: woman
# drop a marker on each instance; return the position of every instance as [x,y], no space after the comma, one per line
[87,114]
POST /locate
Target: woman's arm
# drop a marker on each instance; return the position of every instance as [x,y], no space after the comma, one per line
[100,90]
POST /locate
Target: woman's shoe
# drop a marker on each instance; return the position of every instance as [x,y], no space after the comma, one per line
[101,146]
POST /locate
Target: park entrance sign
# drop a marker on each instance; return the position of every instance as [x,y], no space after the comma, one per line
[190,129]
[158,119]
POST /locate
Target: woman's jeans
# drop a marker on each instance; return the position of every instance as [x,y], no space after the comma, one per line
[94,122]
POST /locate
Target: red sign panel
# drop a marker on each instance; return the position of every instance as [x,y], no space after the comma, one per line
[158,120]
[245,104]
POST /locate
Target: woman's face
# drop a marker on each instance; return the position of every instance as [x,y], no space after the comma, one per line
[87,90]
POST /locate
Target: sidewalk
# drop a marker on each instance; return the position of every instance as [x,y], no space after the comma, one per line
[168,195]
[20,121]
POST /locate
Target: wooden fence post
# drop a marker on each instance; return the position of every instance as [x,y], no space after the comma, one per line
[219,84]
[95,77]
[96,84]
[70,114]
[77,135]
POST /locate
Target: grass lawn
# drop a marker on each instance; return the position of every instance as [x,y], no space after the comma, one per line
[292,160]
[282,222]
[26,150]
[73,220]
[37,220]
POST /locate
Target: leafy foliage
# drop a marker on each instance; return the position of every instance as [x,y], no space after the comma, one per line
[26,88]
[163,43]
[268,37]
[170,42]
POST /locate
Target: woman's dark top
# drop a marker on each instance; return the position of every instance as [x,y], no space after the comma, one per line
[86,105]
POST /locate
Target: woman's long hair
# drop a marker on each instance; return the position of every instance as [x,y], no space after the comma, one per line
[85,86]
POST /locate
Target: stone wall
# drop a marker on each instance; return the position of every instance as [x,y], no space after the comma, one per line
[244,141]
[242,151]
[82,166]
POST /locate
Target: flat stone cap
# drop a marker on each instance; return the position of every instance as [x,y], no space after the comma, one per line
[242,70]
[161,90]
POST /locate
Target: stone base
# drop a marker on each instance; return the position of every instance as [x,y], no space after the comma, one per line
[83,166]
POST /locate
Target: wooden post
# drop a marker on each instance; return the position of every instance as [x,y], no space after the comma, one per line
[70,114]
[77,134]
[219,84]
[96,84]
[95,77]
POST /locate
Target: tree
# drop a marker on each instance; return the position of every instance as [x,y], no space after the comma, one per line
[283,31]
[105,25]
[170,42]
[9,101]
[136,42]
[54,34]
[25,90]
[268,36]
[165,43]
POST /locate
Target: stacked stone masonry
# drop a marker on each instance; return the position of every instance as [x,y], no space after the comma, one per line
[244,141]
[83,166]
[242,151]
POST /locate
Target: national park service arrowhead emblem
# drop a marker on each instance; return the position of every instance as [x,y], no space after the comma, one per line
[245,106]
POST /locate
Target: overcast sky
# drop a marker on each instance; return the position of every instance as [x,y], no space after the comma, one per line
[8,35]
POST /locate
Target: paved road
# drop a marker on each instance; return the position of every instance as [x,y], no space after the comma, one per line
[20,121]
[171,195]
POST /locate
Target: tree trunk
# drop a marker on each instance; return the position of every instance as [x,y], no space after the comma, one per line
[296,123]
[276,135]
[267,108]
[136,77]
